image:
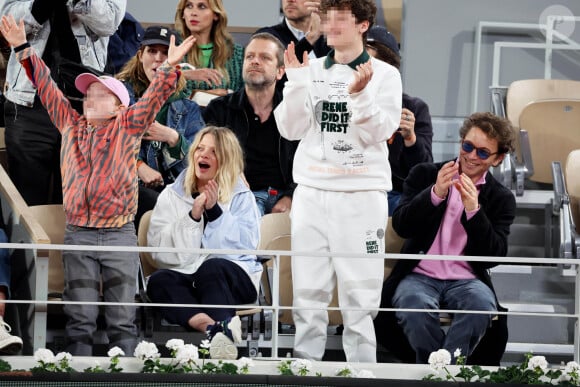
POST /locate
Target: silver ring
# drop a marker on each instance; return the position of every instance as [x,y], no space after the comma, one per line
[407,117]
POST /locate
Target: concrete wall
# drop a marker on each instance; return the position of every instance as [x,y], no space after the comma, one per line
[241,13]
[438,45]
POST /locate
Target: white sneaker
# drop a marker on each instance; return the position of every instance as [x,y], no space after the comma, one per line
[8,343]
[235,328]
[222,347]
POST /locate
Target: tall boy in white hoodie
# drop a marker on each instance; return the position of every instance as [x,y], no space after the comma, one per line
[343,108]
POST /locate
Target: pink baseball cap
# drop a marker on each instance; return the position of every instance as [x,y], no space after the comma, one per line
[83,81]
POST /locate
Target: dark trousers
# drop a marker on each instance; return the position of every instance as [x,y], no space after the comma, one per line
[145,202]
[218,281]
[33,150]
[84,271]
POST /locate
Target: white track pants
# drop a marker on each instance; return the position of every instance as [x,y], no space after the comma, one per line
[341,222]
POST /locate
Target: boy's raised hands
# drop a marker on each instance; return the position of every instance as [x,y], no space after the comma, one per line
[13,32]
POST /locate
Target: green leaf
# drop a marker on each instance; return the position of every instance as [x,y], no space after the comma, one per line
[5,366]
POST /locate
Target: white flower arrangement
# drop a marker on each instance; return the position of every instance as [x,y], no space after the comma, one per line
[533,370]
[146,351]
[187,358]
[300,367]
[48,362]
[538,362]
[174,344]
[439,360]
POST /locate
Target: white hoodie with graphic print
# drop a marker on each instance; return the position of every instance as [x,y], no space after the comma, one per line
[343,137]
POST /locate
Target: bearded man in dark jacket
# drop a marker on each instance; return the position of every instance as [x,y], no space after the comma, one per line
[248,112]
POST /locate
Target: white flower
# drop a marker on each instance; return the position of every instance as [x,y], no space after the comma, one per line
[244,361]
[205,344]
[537,362]
[63,356]
[115,351]
[572,366]
[146,351]
[44,355]
[301,367]
[174,344]
[571,371]
[186,353]
[439,359]
[457,353]
[365,374]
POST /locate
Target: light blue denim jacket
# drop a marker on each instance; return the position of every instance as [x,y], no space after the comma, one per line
[92,22]
[185,117]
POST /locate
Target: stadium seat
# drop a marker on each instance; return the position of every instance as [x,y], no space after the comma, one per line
[51,218]
[573,185]
[566,204]
[515,169]
[553,128]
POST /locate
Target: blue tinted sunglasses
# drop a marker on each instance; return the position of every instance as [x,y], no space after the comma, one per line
[480,152]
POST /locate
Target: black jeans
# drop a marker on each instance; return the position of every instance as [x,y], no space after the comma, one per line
[33,150]
[146,201]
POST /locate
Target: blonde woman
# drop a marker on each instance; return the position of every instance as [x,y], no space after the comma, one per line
[216,59]
[209,206]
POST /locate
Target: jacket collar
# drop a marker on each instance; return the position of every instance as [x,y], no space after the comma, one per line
[362,58]
[239,98]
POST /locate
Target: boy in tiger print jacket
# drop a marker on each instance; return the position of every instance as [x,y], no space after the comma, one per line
[98,167]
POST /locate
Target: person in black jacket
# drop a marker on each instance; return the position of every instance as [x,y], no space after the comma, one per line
[248,112]
[411,144]
[453,208]
[301,26]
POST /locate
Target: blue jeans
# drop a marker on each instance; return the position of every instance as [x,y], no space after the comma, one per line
[266,200]
[393,197]
[423,330]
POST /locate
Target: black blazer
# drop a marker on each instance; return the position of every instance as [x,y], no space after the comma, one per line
[403,158]
[282,32]
[417,220]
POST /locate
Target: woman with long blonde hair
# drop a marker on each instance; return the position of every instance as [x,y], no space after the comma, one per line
[209,206]
[216,59]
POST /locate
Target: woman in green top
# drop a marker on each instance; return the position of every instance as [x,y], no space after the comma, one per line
[216,59]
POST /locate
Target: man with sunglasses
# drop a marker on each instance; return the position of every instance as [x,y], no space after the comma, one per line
[454,208]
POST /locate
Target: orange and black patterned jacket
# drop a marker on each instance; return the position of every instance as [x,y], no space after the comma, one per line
[98,164]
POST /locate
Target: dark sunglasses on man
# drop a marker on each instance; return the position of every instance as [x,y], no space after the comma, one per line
[482,153]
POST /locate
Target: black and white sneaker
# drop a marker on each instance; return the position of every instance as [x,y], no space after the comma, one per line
[223,337]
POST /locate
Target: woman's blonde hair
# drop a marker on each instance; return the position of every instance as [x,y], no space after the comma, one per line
[133,73]
[230,158]
[223,43]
